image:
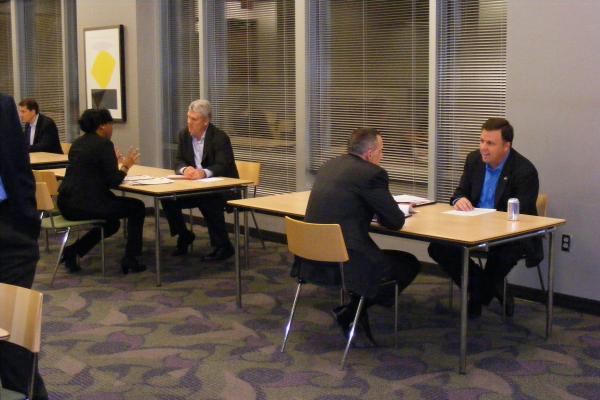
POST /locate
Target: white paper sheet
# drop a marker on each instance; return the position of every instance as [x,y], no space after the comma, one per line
[473,213]
[130,178]
[153,181]
[213,179]
[410,199]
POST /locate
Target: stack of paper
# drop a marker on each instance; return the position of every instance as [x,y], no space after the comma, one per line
[410,199]
[151,181]
[473,213]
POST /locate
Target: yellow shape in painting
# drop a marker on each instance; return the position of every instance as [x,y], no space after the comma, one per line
[103,68]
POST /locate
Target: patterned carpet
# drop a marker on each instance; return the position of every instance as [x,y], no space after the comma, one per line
[121,337]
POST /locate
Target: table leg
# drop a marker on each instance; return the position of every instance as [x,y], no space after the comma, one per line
[550,305]
[238,273]
[463,311]
[157,239]
[246,233]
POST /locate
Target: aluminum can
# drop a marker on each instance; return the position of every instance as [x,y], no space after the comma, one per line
[513,209]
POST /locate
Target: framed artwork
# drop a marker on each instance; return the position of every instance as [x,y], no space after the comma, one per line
[105,69]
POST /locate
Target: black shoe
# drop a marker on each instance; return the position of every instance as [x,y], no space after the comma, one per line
[363,321]
[219,254]
[69,257]
[343,316]
[473,309]
[183,242]
[131,263]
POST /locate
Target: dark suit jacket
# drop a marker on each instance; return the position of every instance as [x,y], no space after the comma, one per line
[93,170]
[349,191]
[46,136]
[519,179]
[15,169]
[217,156]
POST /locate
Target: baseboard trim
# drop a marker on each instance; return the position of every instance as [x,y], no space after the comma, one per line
[580,304]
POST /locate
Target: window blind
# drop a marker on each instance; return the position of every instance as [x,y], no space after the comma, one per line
[42,72]
[251,84]
[369,67]
[471,81]
[6,65]
[182,70]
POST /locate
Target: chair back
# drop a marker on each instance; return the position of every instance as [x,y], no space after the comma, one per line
[541,204]
[65,147]
[49,178]
[21,315]
[317,242]
[249,170]
[43,198]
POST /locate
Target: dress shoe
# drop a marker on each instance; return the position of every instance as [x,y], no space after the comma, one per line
[184,240]
[363,322]
[129,263]
[69,258]
[219,254]
[343,316]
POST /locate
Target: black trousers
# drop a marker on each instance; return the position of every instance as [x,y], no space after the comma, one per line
[401,267]
[119,207]
[212,208]
[19,254]
[482,282]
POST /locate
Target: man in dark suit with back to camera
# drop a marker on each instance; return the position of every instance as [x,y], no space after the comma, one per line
[492,175]
[349,190]
[19,231]
[40,130]
[203,151]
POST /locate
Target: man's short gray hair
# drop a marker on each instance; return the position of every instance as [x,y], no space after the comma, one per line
[201,106]
[362,140]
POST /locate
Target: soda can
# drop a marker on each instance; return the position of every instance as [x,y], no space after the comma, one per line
[513,209]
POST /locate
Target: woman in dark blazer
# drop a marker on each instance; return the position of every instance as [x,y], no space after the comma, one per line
[85,192]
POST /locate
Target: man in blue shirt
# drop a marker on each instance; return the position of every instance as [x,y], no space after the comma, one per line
[492,175]
[19,231]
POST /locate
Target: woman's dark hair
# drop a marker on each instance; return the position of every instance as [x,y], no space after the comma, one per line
[92,118]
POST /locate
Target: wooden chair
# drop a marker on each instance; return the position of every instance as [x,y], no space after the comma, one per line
[541,205]
[251,171]
[21,317]
[65,147]
[323,242]
[59,224]
[52,183]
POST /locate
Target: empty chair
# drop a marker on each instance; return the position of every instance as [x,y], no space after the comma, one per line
[324,242]
[251,171]
[21,318]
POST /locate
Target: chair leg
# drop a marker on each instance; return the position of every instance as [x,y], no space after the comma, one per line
[396,296]
[539,271]
[352,329]
[32,378]
[192,225]
[48,241]
[288,327]
[258,231]
[102,250]
[342,296]
[450,294]
[60,253]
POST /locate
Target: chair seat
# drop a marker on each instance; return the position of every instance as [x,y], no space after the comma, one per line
[61,222]
[6,394]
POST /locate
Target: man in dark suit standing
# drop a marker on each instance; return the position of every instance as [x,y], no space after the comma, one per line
[40,131]
[19,231]
[203,151]
[350,190]
[492,175]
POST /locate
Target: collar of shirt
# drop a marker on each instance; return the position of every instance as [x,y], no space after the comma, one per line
[32,126]
[198,145]
[490,183]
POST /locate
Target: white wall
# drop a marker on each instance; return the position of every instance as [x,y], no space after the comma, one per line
[142,73]
[553,101]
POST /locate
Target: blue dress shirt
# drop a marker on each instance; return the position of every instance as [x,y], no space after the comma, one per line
[488,193]
[3,195]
